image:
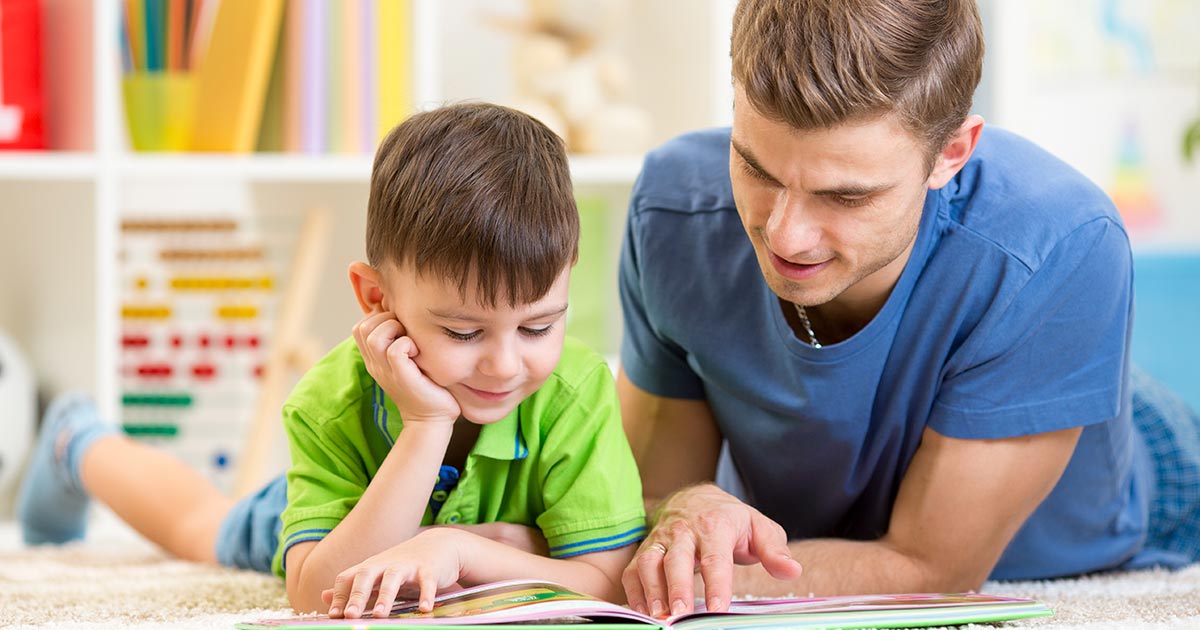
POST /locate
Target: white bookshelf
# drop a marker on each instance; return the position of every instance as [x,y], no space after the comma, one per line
[62,208]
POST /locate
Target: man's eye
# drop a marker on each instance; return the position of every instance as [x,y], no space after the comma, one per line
[458,336]
[853,202]
[756,174]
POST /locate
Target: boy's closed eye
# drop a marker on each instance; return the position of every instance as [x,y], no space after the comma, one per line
[471,335]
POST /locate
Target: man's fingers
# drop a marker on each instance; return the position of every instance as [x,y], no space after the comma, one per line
[680,569]
[716,567]
[768,542]
[635,596]
[649,562]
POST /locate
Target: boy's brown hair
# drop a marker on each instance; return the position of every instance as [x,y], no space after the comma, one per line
[819,63]
[477,189]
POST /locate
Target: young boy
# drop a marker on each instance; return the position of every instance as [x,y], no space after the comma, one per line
[457,404]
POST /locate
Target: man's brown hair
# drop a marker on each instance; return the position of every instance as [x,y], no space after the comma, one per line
[819,63]
[474,189]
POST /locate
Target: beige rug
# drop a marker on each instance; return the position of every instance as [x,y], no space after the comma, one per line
[116,580]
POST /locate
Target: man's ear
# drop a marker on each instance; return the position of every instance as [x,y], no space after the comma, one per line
[368,287]
[956,153]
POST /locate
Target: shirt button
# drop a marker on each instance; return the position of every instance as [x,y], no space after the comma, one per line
[453,518]
[440,495]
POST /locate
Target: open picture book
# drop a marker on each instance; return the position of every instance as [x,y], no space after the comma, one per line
[547,605]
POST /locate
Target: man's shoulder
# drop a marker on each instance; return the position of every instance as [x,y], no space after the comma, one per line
[689,173]
[1022,199]
[333,387]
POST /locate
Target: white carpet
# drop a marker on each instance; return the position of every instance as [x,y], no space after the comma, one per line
[117,580]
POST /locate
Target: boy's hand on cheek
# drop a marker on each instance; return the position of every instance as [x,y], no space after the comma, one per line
[388,354]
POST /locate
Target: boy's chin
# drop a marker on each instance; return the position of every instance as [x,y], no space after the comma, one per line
[486,416]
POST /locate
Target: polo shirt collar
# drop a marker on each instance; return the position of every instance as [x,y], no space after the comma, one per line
[501,440]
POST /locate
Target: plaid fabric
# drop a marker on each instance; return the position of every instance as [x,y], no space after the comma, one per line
[1172,434]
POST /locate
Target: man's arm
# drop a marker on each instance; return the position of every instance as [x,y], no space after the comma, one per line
[675,441]
[959,505]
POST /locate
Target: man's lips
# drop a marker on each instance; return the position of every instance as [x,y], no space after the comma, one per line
[797,271]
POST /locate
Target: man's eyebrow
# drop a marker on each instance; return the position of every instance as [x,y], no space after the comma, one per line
[853,190]
[748,157]
[842,190]
[467,317]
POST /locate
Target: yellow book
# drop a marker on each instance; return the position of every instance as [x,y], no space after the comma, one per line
[394,41]
[232,79]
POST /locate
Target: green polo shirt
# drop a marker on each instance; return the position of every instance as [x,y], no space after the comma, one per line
[559,462]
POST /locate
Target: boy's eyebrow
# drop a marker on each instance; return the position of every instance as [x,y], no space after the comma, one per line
[467,317]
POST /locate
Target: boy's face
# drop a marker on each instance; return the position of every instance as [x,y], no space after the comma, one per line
[488,358]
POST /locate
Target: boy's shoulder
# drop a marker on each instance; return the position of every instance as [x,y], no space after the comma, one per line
[578,367]
[337,384]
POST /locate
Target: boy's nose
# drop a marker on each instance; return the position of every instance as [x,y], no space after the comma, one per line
[503,363]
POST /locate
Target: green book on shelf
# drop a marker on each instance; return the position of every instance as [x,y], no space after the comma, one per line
[544,605]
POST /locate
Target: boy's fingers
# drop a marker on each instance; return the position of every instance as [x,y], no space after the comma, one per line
[428,592]
[382,337]
[389,585]
[341,592]
[369,323]
[364,583]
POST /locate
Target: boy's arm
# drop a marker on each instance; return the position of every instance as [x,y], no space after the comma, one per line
[389,512]
[393,504]
[437,558]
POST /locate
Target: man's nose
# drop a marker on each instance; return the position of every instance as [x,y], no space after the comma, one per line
[793,226]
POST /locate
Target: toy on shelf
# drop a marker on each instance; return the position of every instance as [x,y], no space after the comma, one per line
[568,73]
[197,305]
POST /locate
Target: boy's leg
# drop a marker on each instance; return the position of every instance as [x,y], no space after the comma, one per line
[157,494]
[79,456]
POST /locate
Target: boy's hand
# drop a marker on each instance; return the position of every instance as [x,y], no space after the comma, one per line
[421,566]
[388,354]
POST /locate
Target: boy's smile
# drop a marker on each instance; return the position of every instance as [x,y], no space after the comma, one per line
[490,358]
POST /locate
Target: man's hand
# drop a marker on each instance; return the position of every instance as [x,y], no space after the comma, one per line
[707,525]
[388,354]
[420,566]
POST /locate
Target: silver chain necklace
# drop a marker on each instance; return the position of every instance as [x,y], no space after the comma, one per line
[812,337]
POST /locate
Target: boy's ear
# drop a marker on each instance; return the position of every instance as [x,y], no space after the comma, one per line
[956,152]
[368,287]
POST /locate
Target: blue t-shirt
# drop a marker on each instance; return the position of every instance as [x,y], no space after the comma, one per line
[1011,317]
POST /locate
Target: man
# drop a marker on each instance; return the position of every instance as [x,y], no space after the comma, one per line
[911,332]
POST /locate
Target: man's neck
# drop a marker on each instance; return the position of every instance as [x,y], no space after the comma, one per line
[842,318]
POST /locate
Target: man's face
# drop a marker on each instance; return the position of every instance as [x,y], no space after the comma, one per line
[832,213]
[488,358]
